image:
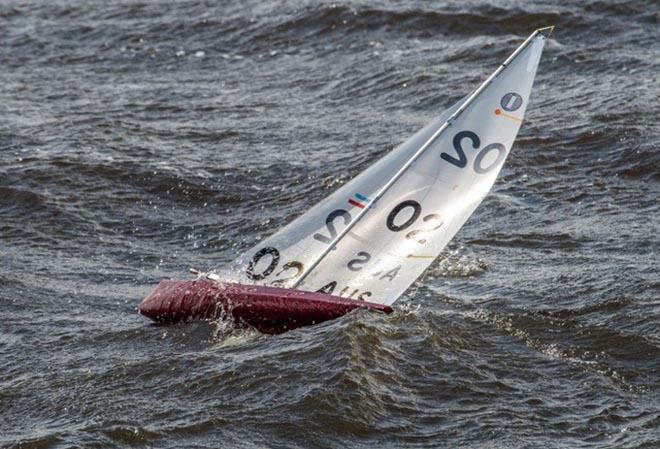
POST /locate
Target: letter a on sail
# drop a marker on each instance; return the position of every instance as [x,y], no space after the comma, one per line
[374,236]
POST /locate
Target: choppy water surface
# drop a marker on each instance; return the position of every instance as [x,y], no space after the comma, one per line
[140,138]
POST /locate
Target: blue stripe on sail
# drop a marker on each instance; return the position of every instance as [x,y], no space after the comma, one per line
[361,197]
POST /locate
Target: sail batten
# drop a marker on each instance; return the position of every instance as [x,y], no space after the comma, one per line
[373,237]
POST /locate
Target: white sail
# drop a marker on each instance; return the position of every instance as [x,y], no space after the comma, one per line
[375,235]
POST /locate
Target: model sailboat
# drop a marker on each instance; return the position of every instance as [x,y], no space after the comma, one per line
[365,244]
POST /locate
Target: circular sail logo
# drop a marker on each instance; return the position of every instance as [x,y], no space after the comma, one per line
[511,101]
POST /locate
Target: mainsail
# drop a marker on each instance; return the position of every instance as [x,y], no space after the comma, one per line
[374,236]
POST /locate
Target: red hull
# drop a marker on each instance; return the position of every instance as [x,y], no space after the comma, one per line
[268,309]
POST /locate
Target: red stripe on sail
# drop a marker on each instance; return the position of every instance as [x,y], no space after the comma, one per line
[355,203]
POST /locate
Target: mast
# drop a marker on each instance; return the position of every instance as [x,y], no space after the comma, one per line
[545,32]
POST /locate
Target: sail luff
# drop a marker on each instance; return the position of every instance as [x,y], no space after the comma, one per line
[468,101]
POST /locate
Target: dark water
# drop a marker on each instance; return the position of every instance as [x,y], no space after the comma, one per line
[140,138]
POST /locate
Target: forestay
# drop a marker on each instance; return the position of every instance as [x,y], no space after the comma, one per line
[375,235]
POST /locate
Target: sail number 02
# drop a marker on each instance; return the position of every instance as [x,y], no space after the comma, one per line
[461,160]
[435,221]
[272,265]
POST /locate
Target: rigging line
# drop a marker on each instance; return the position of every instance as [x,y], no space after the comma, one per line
[418,153]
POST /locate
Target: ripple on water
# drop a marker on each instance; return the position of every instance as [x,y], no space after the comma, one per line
[141,138]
